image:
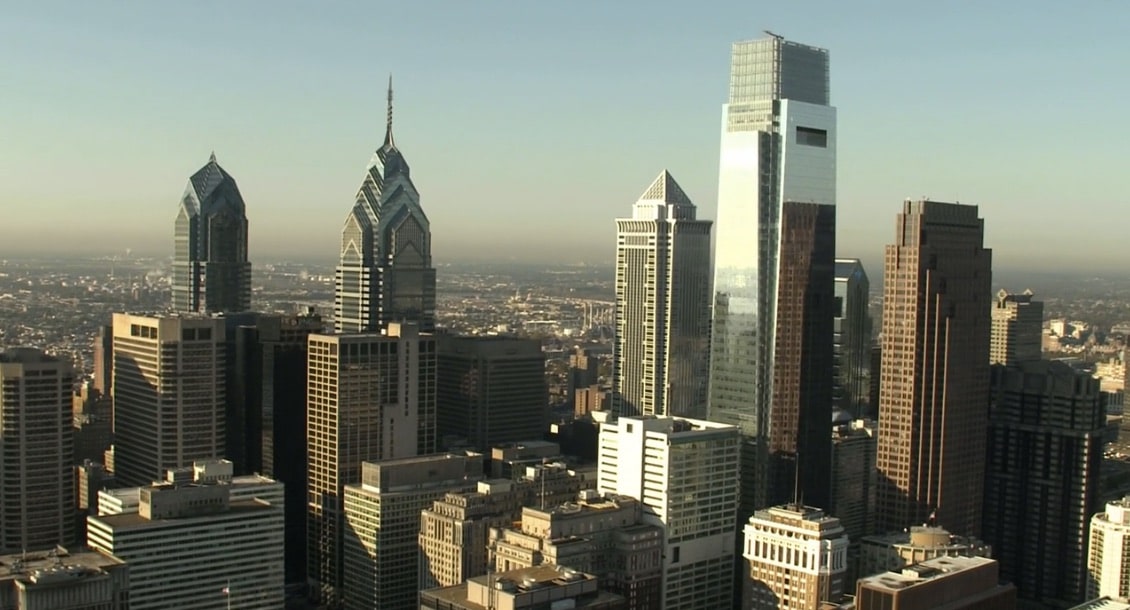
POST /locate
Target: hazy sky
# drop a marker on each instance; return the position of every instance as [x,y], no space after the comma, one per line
[530,125]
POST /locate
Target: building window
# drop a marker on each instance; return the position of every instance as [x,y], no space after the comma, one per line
[808,136]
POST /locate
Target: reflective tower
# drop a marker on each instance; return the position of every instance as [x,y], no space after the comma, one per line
[778,145]
[385,274]
[211,273]
[662,306]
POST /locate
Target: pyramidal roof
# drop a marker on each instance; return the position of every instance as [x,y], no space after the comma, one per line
[665,189]
[208,178]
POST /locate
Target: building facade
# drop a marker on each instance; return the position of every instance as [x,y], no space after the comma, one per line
[854,479]
[953,583]
[369,397]
[935,383]
[852,338]
[490,390]
[1108,552]
[1045,450]
[1018,328]
[211,273]
[660,353]
[385,272]
[37,484]
[382,521]
[685,473]
[893,552]
[796,557]
[169,394]
[44,580]
[778,144]
[533,588]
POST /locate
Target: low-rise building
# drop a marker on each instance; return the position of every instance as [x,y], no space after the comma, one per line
[533,588]
[49,580]
[953,583]
[916,544]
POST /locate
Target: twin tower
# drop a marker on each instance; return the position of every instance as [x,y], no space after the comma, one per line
[385,272]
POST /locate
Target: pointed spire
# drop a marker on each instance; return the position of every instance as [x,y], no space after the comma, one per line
[212,157]
[388,124]
[665,189]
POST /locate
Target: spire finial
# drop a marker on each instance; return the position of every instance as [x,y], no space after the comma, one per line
[212,157]
[388,124]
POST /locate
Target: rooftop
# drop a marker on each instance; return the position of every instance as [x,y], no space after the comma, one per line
[925,571]
[1102,603]
[135,520]
[56,566]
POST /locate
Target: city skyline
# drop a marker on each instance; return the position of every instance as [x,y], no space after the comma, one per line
[277,109]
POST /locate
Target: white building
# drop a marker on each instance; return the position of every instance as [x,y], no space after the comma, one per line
[191,546]
[127,500]
[1108,559]
[685,472]
[797,558]
[660,357]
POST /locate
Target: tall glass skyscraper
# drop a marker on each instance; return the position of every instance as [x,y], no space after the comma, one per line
[386,272]
[778,145]
[211,273]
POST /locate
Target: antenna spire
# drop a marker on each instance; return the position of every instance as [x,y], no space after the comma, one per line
[212,157]
[388,124]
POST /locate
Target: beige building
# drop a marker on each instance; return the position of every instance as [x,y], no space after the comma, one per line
[1108,556]
[796,557]
[57,579]
[169,393]
[604,535]
[953,583]
[1018,328]
[532,588]
[380,552]
[370,397]
[37,490]
[921,543]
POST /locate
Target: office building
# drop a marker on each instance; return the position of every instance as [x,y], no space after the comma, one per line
[685,473]
[800,443]
[935,378]
[37,503]
[370,397]
[93,424]
[660,354]
[584,367]
[382,524]
[103,357]
[169,394]
[892,552]
[385,273]
[539,587]
[1018,328]
[211,273]
[194,546]
[852,338]
[778,144]
[796,557]
[953,583]
[592,398]
[1045,450]
[601,534]
[853,483]
[58,579]
[1108,552]
[489,390]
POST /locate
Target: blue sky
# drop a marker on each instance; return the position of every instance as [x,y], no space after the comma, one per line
[530,126]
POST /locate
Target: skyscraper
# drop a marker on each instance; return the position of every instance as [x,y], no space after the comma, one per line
[1108,555]
[1045,449]
[1017,328]
[370,397]
[385,274]
[778,144]
[37,495]
[660,355]
[852,338]
[211,272]
[934,394]
[169,393]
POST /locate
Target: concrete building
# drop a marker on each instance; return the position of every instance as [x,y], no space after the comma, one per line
[1108,553]
[584,366]
[370,397]
[778,145]
[796,558]
[854,478]
[382,524]
[169,393]
[539,587]
[58,579]
[685,473]
[490,390]
[604,535]
[660,355]
[1018,326]
[892,552]
[953,583]
[37,490]
[852,338]
[193,546]
[1045,450]
[211,273]
[1102,603]
[385,273]
[454,530]
[592,398]
[935,383]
